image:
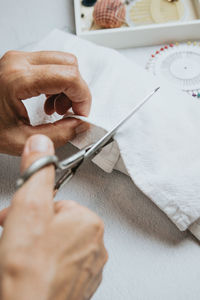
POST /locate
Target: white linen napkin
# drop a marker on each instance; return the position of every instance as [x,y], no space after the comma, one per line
[159,147]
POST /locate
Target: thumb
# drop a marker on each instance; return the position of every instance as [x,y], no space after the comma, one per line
[37,192]
[35,198]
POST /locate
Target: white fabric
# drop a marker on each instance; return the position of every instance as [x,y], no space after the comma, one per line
[149,258]
[159,146]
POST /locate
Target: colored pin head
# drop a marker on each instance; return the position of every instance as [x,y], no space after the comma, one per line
[88,2]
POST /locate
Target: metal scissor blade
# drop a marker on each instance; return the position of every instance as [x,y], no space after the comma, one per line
[71,164]
[106,138]
[63,179]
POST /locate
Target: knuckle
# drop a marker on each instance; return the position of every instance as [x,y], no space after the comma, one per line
[59,205]
[73,59]
[97,225]
[62,136]
[65,205]
[14,264]
[91,220]
[74,75]
[12,71]
[10,54]
[69,204]
[8,64]
[59,140]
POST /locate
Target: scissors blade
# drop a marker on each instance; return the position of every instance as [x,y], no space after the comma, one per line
[107,137]
[65,178]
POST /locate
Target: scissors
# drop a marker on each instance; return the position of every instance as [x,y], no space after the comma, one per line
[70,165]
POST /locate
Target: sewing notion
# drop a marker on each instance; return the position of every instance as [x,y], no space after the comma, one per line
[155,12]
[88,3]
[179,65]
[131,23]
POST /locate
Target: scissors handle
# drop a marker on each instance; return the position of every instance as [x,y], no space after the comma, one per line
[35,167]
[69,165]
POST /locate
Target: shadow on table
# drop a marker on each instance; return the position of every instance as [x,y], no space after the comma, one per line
[10,170]
[116,199]
[113,196]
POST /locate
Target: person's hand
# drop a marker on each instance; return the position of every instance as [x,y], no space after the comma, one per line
[48,251]
[24,75]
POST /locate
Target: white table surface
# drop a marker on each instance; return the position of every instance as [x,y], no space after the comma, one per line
[149,258]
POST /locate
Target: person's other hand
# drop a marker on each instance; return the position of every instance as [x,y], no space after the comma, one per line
[24,75]
[48,251]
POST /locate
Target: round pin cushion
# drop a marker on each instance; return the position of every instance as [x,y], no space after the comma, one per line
[179,65]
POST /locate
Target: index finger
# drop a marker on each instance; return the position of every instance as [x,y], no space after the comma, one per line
[56,79]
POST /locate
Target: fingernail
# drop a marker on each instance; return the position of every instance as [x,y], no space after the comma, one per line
[82,128]
[62,104]
[49,105]
[38,143]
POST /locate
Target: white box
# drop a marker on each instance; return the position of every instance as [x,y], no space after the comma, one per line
[153,34]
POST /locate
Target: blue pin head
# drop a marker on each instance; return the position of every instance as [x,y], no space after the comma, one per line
[88,2]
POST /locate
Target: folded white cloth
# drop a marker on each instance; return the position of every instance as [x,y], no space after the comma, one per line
[159,146]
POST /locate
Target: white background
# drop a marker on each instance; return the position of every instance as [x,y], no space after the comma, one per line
[149,258]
